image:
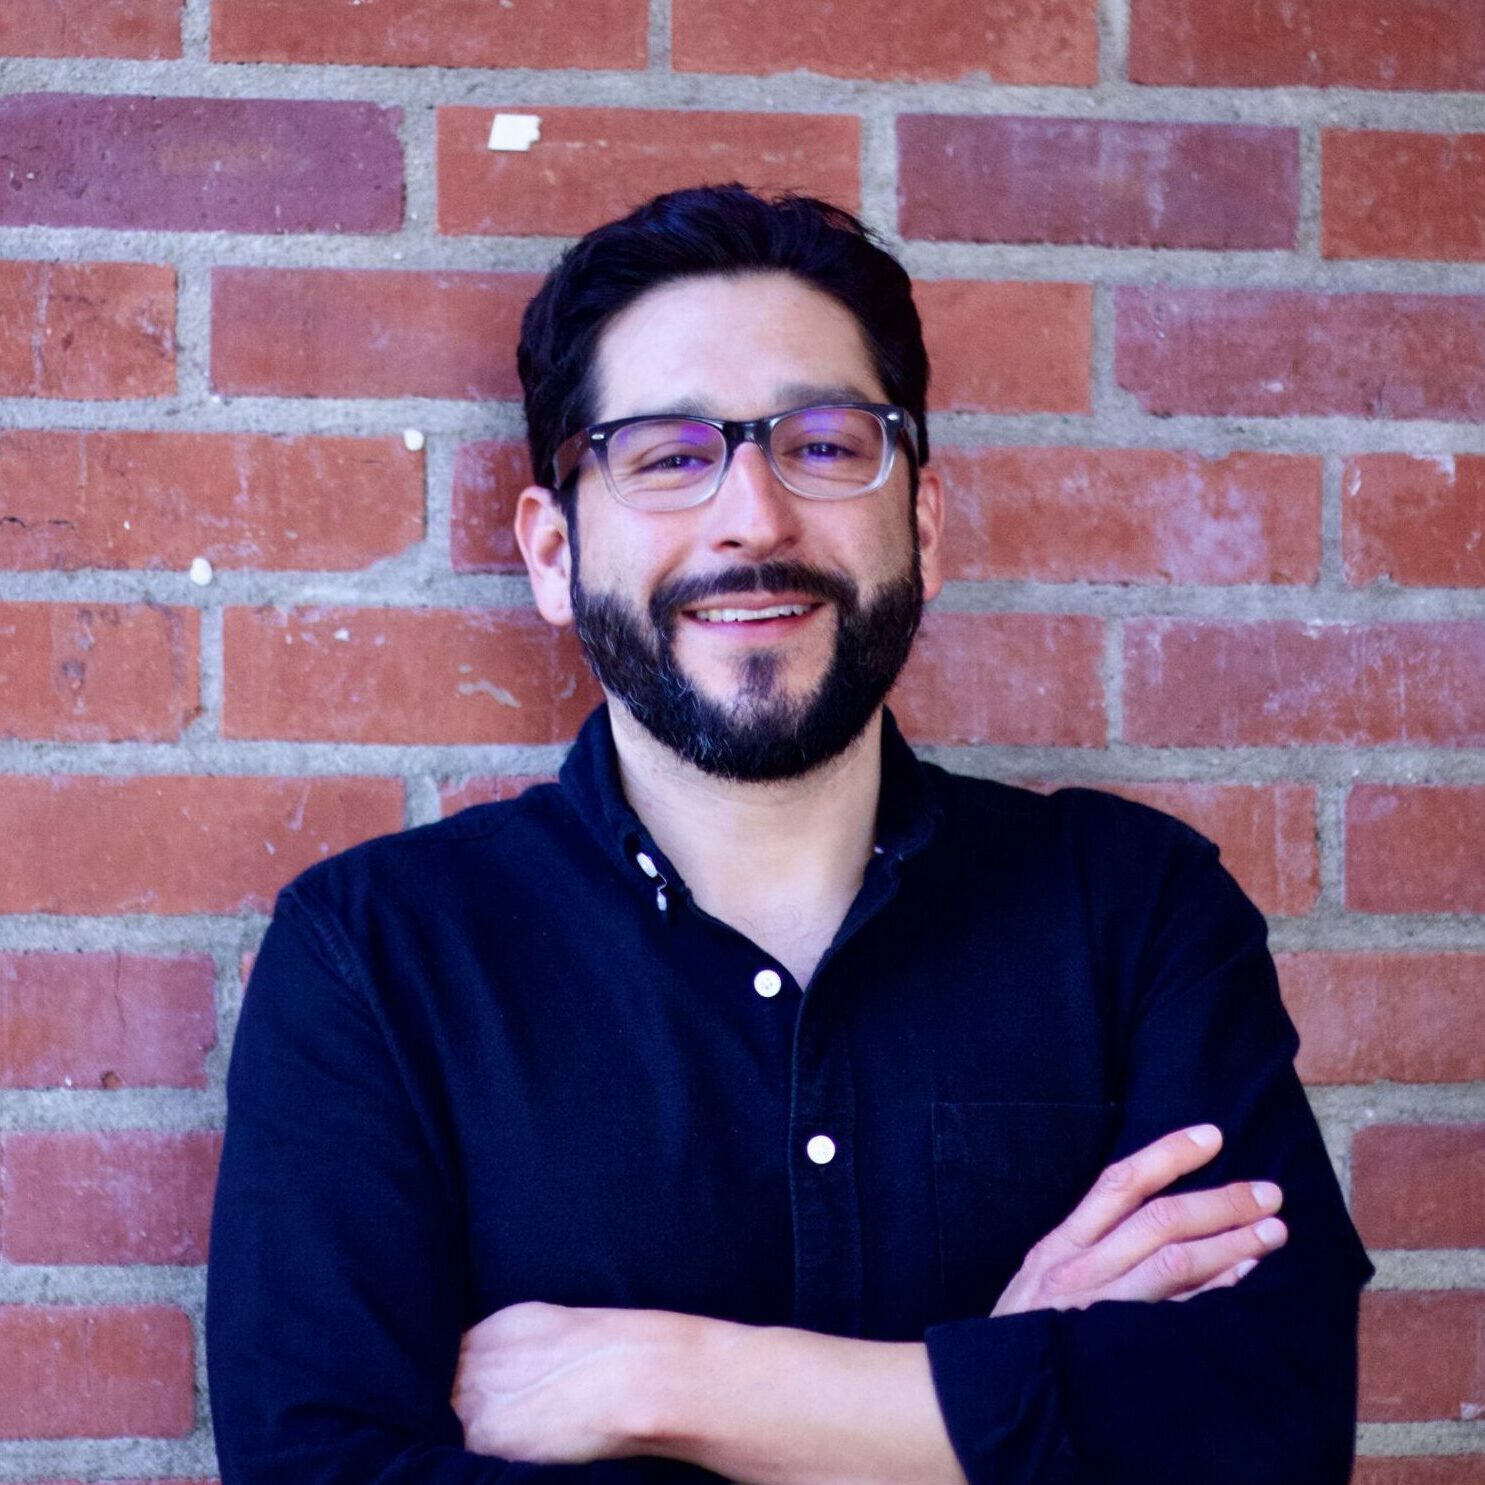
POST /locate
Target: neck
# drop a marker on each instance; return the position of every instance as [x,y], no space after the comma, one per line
[780,861]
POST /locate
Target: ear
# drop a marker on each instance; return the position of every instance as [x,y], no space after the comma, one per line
[541,533]
[930,515]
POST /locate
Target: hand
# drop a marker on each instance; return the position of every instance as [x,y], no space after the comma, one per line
[1122,1241]
[551,1384]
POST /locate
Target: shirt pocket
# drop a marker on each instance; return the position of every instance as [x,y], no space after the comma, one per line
[1005,1174]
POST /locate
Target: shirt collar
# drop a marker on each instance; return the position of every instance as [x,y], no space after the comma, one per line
[906,814]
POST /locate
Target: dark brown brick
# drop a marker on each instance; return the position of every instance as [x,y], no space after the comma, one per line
[1105,182]
[1278,353]
[199,164]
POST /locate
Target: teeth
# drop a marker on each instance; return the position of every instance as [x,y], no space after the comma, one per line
[749,615]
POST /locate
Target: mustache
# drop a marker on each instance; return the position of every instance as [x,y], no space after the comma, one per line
[766,577]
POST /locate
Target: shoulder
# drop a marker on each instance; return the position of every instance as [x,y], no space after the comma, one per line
[1093,824]
[425,862]
[1084,855]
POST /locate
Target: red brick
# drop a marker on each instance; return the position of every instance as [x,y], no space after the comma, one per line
[1008,347]
[488,478]
[592,165]
[1273,353]
[1420,1469]
[176,843]
[87,330]
[144,29]
[200,164]
[1423,44]
[1418,521]
[98,672]
[1415,849]
[1402,195]
[105,1020]
[1027,679]
[1419,1185]
[1107,182]
[1209,683]
[126,1196]
[1422,1355]
[432,33]
[355,332]
[1266,834]
[157,500]
[77,1371]
[1068,515]
[453,797]
[1008,41]
[1369,1017]
[403,675]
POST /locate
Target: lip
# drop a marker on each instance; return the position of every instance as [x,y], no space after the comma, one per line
[753,603]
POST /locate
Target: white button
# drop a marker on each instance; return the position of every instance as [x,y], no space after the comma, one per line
[647,866]
[767,983]
[821,1149]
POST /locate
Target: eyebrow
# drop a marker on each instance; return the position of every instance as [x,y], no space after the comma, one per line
[793,394]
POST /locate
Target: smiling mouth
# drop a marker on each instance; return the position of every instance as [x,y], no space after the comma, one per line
[722,614]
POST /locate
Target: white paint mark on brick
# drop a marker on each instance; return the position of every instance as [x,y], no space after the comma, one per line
[488,688]
[514,131]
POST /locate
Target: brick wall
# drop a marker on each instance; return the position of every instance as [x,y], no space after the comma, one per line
[1204,283]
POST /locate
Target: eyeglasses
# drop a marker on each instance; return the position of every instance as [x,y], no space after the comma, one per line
[833,451]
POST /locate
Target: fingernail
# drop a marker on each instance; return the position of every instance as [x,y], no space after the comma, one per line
[1267,1195]
[1270,1232]
[1246,1267]
[1208,1136]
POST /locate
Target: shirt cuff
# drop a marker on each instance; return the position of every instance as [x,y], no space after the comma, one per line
[999,1389]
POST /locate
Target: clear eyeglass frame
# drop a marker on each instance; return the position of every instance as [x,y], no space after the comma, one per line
[896,422]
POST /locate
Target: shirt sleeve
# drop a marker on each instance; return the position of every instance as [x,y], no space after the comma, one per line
[1254,1382]
[335,1285]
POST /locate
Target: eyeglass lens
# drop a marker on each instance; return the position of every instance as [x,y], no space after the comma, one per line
[826,452]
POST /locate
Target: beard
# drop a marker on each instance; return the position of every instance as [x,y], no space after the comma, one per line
[763,734]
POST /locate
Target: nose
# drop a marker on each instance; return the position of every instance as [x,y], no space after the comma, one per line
[752,515]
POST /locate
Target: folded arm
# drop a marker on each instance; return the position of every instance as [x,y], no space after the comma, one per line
[778,1406]
[1076,1376]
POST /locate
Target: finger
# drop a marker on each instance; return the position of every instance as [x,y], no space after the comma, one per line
[1166,1220]
[1182,1267]
[1225,1280]
[1127,1184]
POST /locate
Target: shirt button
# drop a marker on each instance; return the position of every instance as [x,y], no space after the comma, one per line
[821,1149]
[767,983]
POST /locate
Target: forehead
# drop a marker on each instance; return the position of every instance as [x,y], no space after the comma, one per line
[731,346]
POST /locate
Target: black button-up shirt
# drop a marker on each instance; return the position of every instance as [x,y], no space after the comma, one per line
[507,1057]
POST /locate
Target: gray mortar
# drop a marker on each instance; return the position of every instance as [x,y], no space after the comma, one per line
[420,576]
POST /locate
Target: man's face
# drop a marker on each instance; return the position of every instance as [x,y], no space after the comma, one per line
[662,600]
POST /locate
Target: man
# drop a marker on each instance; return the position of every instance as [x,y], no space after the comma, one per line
[739,1103]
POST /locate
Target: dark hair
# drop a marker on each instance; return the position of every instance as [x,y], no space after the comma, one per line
[723,229]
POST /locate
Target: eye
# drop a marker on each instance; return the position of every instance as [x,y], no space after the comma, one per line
[823,448]
[677,459]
